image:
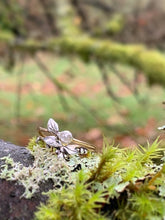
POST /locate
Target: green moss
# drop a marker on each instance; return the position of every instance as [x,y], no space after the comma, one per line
[80,203]
[115,25]
[46,166]
[128,178]
[6,36]
[151,62]
[32,143]
[117,171]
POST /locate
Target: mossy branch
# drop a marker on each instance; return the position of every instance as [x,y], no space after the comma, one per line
[151,62]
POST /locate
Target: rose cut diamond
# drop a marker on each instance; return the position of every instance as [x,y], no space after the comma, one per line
[65,137]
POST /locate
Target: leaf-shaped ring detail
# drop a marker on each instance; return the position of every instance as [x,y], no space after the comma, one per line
[52,126]
[63,141]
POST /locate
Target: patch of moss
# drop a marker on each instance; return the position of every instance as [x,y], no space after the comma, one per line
[76,202]
[151,62]
[115,25]
[87,188]
[128,178]
[46,166]
[6,36]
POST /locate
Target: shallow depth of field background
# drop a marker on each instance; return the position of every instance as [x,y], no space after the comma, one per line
[113,99]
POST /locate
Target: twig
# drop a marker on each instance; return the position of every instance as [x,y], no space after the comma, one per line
[98,4]
[135,88]
[106,82]
[117,101]
[125,82]
[55,82]
[63,88]
[82,13]
[19,92]
[49,16]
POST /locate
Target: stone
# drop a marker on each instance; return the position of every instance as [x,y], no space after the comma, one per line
[17,153]
[65,137]
[12,205]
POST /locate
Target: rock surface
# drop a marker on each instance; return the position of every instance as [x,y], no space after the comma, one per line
[12,205]
[19,154]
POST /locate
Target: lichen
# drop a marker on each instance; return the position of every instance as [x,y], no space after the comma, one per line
[128,177]
[88,188]
[46,166]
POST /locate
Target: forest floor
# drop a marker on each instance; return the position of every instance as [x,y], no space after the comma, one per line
[28,99]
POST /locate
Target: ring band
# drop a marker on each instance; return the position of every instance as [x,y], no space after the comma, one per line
[91,147]
[85,144]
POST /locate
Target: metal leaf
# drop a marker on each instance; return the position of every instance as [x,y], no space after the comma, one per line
[71,149]
[52,126]
[60,155]
[52,141]
[161,128]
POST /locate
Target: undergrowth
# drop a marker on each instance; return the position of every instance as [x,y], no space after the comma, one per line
[117,184]
[124,184]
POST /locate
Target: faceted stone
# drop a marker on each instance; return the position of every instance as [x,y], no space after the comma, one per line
[65,137]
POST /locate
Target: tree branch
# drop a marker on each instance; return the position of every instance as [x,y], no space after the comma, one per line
[151,62]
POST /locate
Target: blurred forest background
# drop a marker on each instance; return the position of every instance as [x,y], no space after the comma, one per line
[95,66]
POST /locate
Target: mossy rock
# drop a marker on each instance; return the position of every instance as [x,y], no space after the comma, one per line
[117,184]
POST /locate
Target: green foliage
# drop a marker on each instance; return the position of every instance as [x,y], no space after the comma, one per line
[116,24]
[151,62]
[107,165]
[78,204]
[127,178]
[146,206]
[11,10]
[150,152]
[32,143]
[129,164]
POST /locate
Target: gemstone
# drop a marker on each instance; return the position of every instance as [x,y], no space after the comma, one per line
[65,137]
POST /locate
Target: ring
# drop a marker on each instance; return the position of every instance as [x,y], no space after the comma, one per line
[63,141]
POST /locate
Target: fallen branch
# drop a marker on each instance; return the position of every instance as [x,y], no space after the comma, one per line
[151,62]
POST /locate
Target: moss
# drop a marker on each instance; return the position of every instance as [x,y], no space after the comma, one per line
[80,204]
[129,178]
[46,166]
[32,144]
[115,25]
[6,36]
[66,16]
[151,62]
